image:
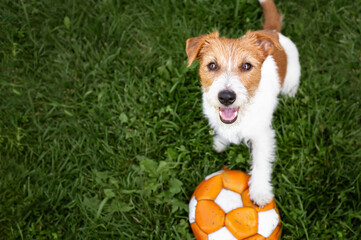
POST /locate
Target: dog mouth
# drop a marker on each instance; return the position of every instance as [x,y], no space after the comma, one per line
[228,115]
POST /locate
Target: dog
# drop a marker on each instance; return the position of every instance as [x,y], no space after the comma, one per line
[241,79]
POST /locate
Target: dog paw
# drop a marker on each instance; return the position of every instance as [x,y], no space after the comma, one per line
[291,92]
[219,145]
[260,193]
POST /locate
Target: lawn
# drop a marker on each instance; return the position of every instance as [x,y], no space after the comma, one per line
[101,128]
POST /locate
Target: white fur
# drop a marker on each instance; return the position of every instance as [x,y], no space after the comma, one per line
[253,124]
[293,73]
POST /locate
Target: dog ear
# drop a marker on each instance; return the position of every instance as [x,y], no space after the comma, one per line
[194,45]
[268,41]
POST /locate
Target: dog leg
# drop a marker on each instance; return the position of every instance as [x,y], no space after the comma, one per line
[219,144]
[263,151]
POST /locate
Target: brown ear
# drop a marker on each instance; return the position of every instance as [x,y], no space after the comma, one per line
[266,45]
[194,45]
[268,41]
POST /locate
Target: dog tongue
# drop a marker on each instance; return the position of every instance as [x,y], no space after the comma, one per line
[228,114]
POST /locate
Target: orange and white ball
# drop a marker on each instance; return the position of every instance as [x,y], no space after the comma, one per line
[220,209]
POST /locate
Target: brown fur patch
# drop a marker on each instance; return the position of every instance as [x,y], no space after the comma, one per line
[272,20]
[281,60]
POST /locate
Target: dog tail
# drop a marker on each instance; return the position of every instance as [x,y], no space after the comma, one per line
[272,20]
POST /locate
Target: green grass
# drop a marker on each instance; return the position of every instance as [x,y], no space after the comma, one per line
[101,128]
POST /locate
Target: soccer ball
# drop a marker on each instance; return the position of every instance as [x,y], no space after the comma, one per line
[220,209]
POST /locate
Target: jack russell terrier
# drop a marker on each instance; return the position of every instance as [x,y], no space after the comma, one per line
[241,79]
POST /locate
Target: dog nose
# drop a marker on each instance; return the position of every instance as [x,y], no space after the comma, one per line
[227,97]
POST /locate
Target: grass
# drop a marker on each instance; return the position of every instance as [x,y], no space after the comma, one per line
[101,129]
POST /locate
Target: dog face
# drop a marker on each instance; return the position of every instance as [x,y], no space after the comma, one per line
[230,69]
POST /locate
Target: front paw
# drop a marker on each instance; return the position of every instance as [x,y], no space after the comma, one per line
[219,145]
[261,193]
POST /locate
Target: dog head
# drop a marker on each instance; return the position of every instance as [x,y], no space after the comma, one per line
[230,69]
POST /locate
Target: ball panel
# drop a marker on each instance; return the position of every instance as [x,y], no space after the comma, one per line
[248,203]
[198,233]
[242,222]
[256,237]
[221,234]
[209,216]
[192,210]
[209,189]
[214,174]
[267,222]
[228,200]
[276,233]
[236,181]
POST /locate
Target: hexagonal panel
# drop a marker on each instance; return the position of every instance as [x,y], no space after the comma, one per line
[242,222]
[214,174]
[228,200]
[267,222]
[192,210]
[222,234]
[236,181]
[209,189]
[209,216]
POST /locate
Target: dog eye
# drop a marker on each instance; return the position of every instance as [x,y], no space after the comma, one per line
[246,67]
[212,66]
